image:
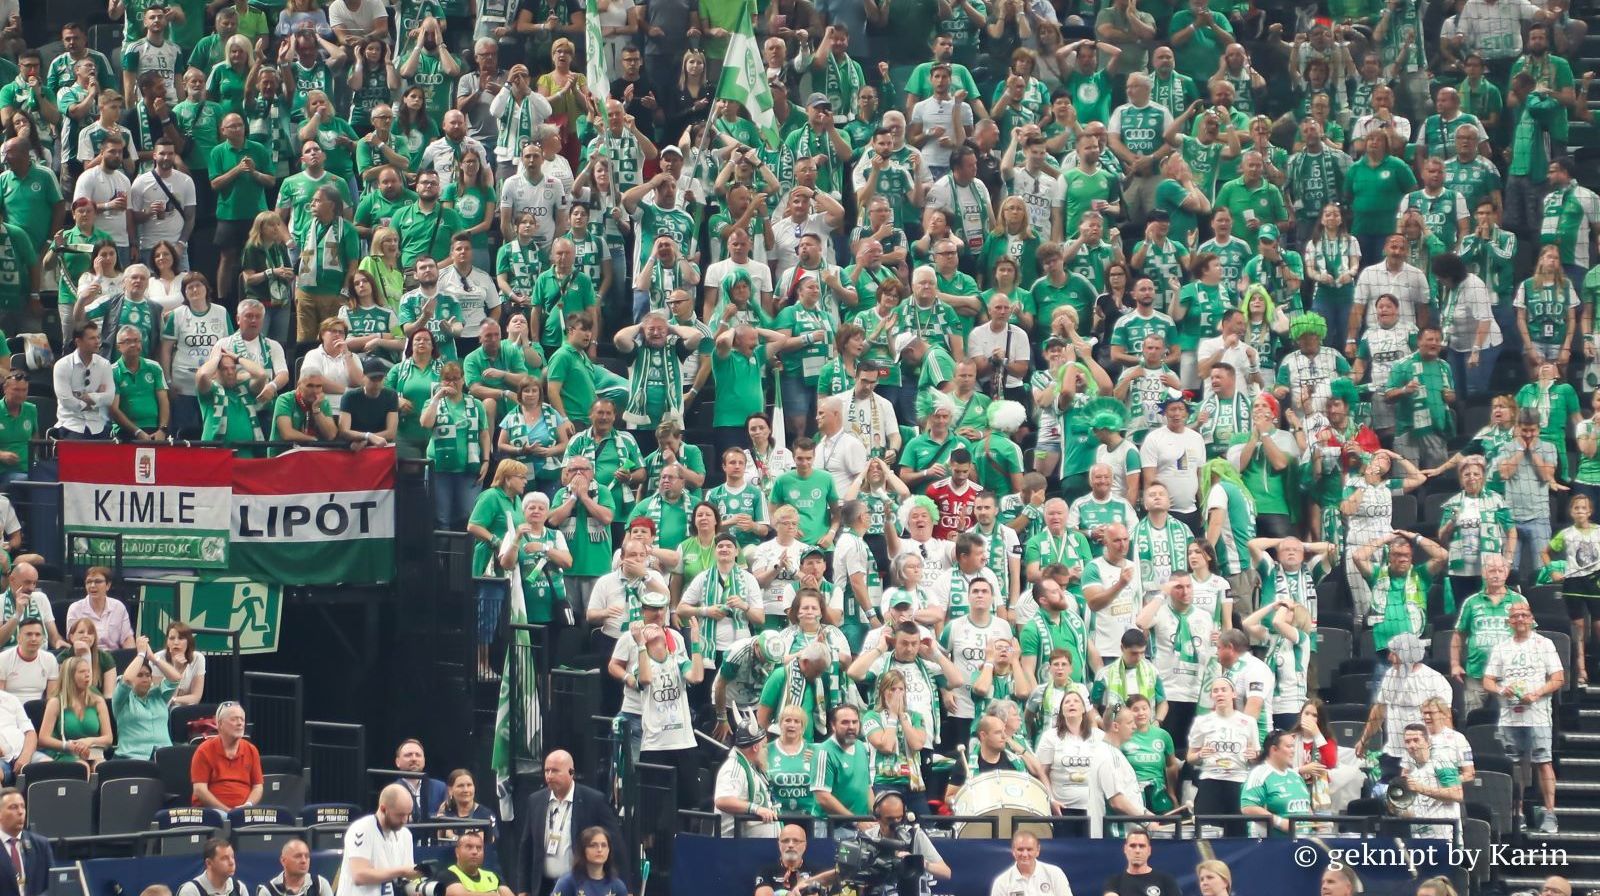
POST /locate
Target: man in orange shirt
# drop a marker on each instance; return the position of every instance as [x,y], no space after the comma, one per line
[226,770]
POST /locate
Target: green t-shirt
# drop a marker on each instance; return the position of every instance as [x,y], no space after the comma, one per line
[16,431]
[891,770]
[588,539]
[1374,193]
[812,496]
[30,200]
[137,391]
[807,362]
[495,511]
[1281,793]
[1485,624]
[422,233]
[244,198]
[741,385]
[1254,206]
[846,775]
[1424,410]
[574,370]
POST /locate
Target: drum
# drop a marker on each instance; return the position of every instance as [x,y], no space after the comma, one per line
[1009,797]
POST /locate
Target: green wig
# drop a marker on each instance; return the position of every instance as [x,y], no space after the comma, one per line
[1307,322]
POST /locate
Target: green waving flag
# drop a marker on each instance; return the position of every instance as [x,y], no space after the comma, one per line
[517,724]
[744,77]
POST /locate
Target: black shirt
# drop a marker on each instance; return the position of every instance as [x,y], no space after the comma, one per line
[1155,883]
[368,414]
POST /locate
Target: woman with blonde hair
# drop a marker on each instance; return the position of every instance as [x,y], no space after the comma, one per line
[897,735]
[225,82]
[267,272]
[76,726]
[83,642]
[567,91]
[383,265]
[1214,878]
[692,102]
[1011,236]
[790,760]
[496,511]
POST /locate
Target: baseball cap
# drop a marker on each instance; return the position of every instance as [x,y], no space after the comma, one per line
[672,148]
[653,599]
[814,551]
[1158,215]
[374,367]
[902,599]
[818,99]
[1268,232]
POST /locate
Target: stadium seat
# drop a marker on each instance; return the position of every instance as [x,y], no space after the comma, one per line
[1348,711]
[178,720]
[1431,503]
[65,880]
[1562,640]
[1347,732]
[35,712]
[112,769]
[127,804]
[1477,835]
[1484,740]
[288,791]
[174,762]
[61,807]
[1352,688]
[1403,513]
[51,771]
[1493,790]
[325,823]
[1333,648]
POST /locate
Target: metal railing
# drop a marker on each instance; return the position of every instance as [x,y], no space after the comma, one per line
[1180,827]
[338,753]
[233,665]
[275,704]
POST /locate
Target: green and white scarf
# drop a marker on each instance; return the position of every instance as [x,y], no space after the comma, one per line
[666,358]
[795,685]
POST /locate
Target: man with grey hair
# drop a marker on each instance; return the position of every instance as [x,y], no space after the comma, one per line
[226,770]
[798,682]
[250,342]
[141,408]
[839,453]
[131,308]
[378,849]
[475,94]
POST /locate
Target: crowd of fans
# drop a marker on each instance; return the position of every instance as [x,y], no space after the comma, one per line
[1008,400]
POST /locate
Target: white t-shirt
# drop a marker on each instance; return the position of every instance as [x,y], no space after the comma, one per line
[843,457]
[384,849]
[1111,775]
[1011,341]
[1233,736]
[1043,195]
[732,627]
[192,336]
[145,192]
[1180,675]
[736,779]
[769,554]
[935,113]
[332,370]
[101,187]
[968,644]
[476,292]
[1067,761]
[545,198]
[610,591]
[1176,457]
[28,680]
[1115,618]
[358,21]
[14,726]
[760,275]
[665,721]
[1238,357]
[1046,880]
[1524,664]
[851,555]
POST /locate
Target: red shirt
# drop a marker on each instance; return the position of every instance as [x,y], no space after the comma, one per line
[230,780]
[955,507]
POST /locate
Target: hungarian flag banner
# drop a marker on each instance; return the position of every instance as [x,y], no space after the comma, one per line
[315,516]
[169,505]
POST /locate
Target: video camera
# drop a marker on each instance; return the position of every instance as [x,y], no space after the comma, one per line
[873,864]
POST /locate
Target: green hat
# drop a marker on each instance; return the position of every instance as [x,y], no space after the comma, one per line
[653,599]
[1308,322]
[1344,390]
[1107,413]
[1268,232]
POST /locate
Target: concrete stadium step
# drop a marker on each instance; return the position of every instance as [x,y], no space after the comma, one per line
[1581,741]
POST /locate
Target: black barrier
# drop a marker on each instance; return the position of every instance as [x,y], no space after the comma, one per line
[275,704]
[233,667]
[337,753]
